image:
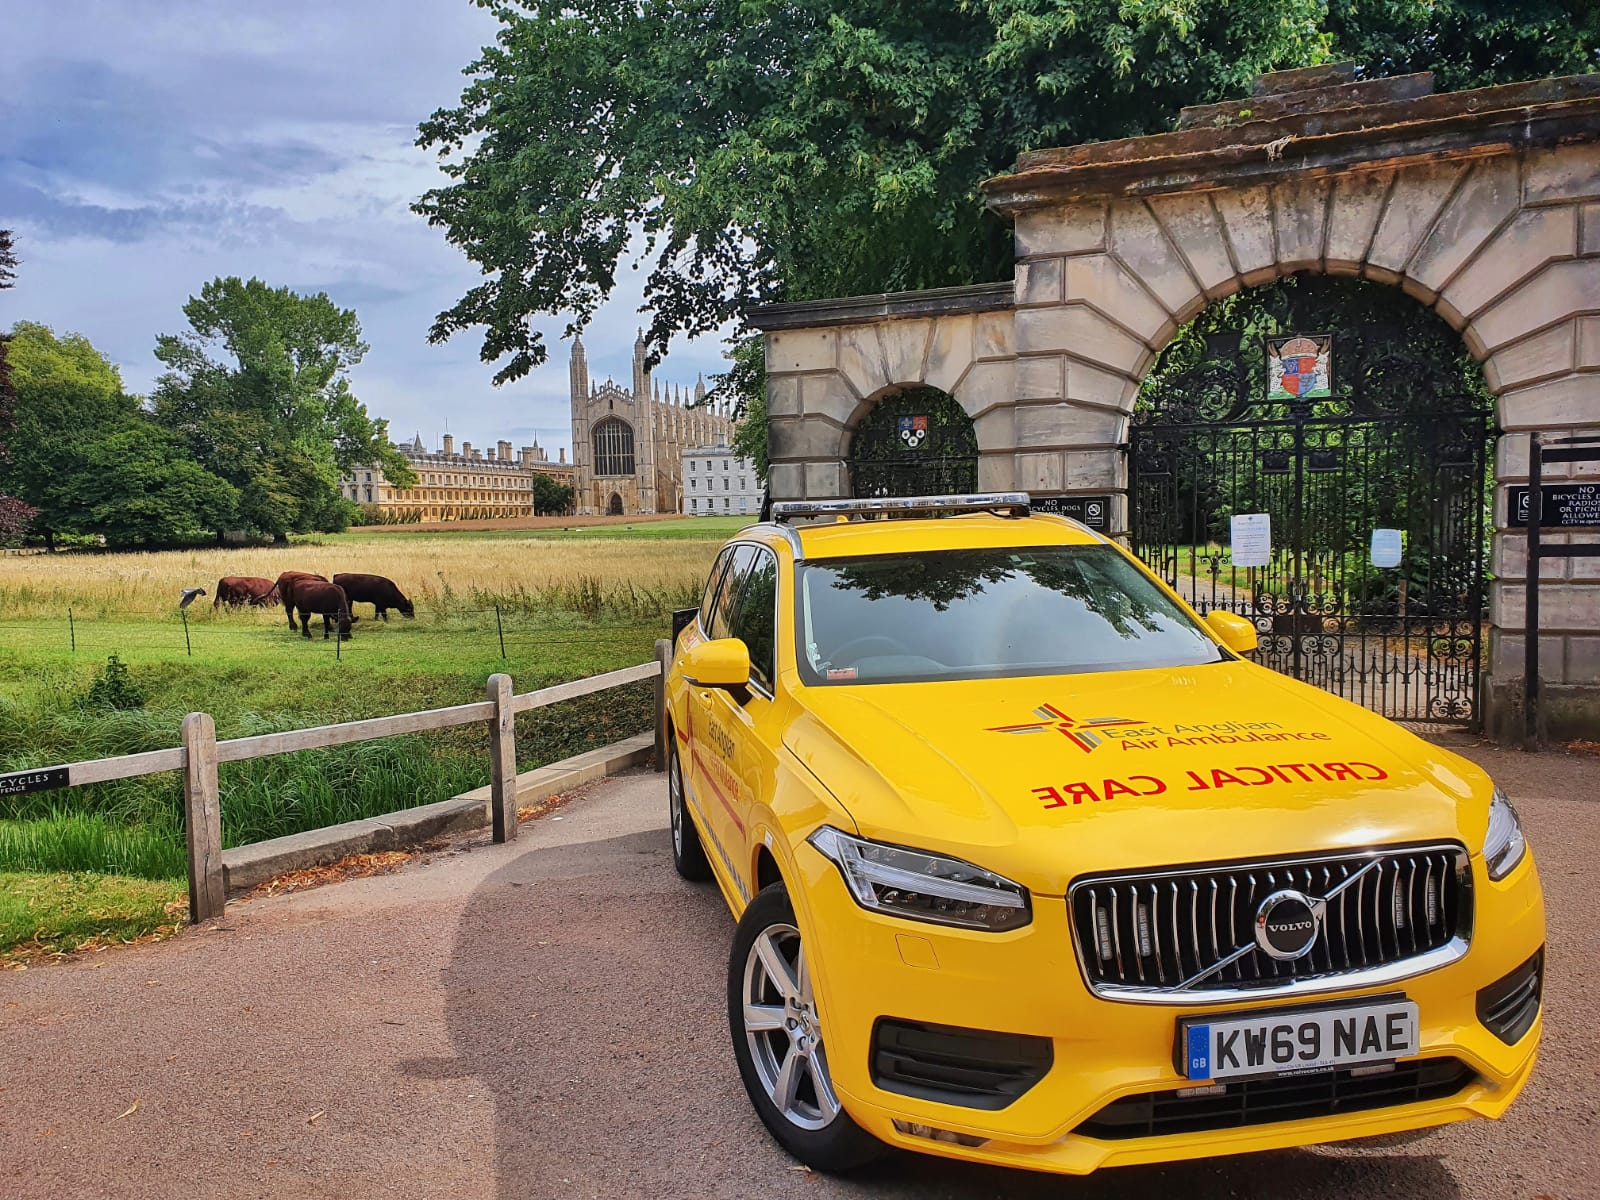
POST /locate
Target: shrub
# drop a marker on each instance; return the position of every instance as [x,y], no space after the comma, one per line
[114,688]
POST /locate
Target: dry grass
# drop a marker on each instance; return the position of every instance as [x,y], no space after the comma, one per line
[436,572]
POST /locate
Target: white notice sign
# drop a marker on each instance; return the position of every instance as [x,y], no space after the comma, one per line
[1386,547]
[1252,539]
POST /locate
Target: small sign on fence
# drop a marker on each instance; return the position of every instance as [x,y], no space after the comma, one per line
[20,783]
[1250,539]
[1386,548]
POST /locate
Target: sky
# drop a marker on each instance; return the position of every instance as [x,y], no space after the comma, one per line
[147,146]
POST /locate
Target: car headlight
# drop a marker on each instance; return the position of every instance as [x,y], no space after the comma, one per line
[924,887]
[1503,845]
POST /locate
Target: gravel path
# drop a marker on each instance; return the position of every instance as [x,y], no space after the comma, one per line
[545,1020]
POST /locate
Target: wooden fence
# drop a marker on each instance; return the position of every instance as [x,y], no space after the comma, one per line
[201,754]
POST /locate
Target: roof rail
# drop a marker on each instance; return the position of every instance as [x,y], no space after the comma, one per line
[1011,504]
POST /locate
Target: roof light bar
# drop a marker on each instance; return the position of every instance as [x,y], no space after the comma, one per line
[1015,504]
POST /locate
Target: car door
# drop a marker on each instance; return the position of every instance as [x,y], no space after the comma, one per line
[713,760]
[752,717]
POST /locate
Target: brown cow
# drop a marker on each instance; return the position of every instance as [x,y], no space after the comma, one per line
[312,598]
[377,591]
[285,586]
[235,590]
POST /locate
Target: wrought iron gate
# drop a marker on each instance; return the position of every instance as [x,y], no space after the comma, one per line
[1208,444]
[919,442]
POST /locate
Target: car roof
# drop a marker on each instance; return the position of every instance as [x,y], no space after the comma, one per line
[901,535]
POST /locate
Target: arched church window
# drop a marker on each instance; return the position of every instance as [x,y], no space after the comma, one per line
[613,447]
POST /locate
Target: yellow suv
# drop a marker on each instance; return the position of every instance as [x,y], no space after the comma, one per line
[1032,867]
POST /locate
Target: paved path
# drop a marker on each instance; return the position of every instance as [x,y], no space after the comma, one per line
[545,1020]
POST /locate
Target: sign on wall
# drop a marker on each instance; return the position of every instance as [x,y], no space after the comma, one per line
[1093,511]
[1300,366]
[1564,506]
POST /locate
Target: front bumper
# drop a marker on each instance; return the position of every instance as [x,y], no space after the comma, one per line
[868,967]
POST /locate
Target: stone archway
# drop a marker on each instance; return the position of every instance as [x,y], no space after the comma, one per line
[915,441]
[614,508]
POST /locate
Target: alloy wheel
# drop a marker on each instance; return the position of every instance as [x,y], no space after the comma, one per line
[783,1030]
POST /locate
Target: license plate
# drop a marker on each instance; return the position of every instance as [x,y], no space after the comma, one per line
[1289,1041]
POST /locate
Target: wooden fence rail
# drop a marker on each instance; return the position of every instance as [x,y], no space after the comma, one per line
[201,754]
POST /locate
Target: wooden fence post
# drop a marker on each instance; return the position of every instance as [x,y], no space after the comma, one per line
[202,818]
[664,657]
[502,759]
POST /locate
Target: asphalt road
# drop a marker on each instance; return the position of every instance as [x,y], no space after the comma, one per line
[546,1020]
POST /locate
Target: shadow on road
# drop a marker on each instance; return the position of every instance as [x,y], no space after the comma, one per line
[585,992]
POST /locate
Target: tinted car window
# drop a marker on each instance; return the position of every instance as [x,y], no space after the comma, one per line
[756,621]
[722,607]
[713,580]
[988,613]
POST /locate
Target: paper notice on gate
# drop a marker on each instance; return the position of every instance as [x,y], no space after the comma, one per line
[1252,539]
[1386,547]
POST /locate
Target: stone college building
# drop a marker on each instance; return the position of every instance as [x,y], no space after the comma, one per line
[628,443]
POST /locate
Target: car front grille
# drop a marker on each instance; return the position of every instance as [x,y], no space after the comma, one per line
[1263,1101]
[1188,934]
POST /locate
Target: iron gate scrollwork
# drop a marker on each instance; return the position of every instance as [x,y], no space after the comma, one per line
[917,442]
[1390,449]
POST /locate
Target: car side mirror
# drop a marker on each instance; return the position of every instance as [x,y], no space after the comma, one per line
[721,663]
[1235,632]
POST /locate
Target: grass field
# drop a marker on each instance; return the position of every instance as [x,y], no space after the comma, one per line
[561,605]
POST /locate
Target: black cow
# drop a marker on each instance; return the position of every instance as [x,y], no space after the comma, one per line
[377,591]
[312,598]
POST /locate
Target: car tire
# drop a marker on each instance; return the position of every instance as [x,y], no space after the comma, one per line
[688,855]
[778,1043]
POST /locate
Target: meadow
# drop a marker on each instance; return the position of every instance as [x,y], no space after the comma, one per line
[544,606]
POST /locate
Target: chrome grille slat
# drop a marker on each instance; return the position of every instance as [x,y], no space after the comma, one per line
[1197,917]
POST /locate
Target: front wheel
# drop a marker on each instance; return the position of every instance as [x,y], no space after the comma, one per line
[778,1040]
[688,855]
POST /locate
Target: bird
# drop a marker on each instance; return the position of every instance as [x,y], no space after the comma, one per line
[189,595]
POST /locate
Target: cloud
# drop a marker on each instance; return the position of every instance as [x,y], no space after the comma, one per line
[145,149]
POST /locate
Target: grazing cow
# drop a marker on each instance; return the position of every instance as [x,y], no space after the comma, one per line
[377,591]
[285,586]
[324,599]
[234,590]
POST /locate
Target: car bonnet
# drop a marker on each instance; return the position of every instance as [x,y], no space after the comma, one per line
[1043,778]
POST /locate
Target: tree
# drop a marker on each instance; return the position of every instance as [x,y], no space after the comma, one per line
[1468,43]
[745,383]
[257,390]
[765,149]
[139,487]
[67,395]
[95,462]
[15,516]
[550,497]
[752,150]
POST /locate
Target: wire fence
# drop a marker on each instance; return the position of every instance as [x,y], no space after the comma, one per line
[498,630]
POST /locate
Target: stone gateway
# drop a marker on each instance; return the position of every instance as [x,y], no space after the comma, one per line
[1482,205]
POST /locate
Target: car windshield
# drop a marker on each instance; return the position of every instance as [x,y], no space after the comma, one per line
[988,613]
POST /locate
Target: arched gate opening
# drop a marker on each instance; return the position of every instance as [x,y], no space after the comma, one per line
[1315,455]
[917,441]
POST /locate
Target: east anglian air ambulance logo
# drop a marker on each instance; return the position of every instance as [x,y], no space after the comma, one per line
[1078,732]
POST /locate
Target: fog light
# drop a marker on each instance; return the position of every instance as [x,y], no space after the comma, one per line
[912,1129]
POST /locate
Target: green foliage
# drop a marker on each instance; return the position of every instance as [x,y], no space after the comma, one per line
[550,497]
[1468,43]
[114,688]
[793,150]
[745,383]
[94,461]
[279,421]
